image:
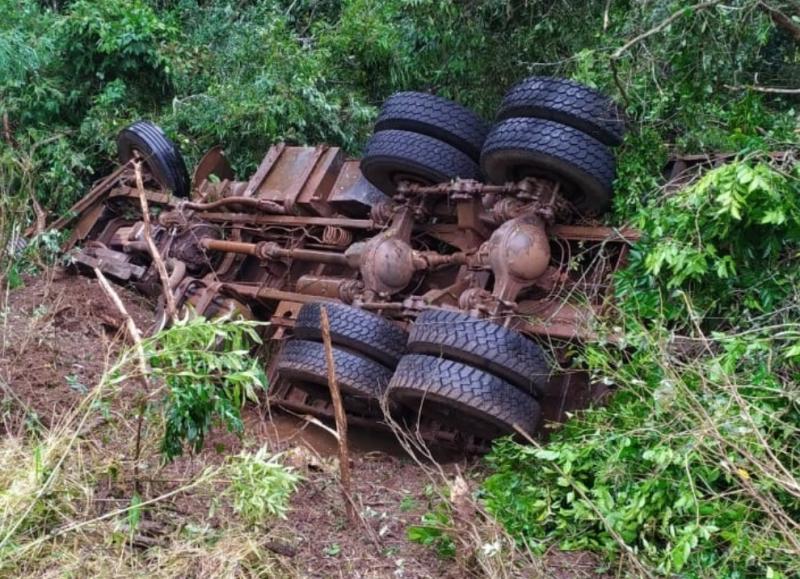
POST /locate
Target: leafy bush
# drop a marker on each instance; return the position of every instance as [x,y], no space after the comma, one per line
[726,240]
[692,467]
[209,375]
[105,41]
[435,530]
[261,486]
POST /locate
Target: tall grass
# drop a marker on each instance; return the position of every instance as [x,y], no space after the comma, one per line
[51,516]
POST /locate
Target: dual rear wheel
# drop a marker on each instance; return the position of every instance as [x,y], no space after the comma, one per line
[546,127]
[453,369]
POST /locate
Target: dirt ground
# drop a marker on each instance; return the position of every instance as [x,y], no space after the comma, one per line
[60,333]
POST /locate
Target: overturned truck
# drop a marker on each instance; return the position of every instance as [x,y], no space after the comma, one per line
[457,261]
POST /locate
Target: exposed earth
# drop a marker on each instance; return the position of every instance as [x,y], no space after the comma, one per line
[60,333]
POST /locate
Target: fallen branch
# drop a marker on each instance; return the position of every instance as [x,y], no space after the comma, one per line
[151,246]
[136,336]
[781,20]
[666,22]
[764,89]
[341,419]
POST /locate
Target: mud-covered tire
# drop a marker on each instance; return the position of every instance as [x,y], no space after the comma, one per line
[567,102]
[483,344]
[435,117]
[525,147]
[392,156]
[361,381]
[468,398]
[161,155]
[361,331]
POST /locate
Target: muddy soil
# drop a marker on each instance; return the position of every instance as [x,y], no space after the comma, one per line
[60,332]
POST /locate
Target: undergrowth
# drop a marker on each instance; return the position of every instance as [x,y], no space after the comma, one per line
[692,469]
[208,376]
[54,515]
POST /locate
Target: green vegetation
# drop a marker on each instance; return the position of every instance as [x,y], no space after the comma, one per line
[261,486]
[693,467]
[209,375]
[49,477]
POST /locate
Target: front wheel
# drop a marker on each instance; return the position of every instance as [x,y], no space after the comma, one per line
[393,156]
[148,142]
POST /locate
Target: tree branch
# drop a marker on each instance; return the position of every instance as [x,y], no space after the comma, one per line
[666,22]
[154,253]
[781,20]
[765,89]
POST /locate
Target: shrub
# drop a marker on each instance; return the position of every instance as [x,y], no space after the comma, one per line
[209,375]
[261,486]
[692,467]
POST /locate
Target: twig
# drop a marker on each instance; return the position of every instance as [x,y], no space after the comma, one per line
[341,419]
[41,214]
[151,246]
[618,82]
[765,89]
[606,19]
[666,22]
[136,336]
[7,134]
[311,420]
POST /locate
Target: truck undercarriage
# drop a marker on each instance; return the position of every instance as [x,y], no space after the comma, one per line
[457,263]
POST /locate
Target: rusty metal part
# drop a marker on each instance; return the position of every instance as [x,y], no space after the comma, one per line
[113,263]
[323,286]
[288,220]
[271,250]
[337,236]
[352,194]
[262,205]
[386,261]
[595,233]
[457,186]
[213,163]
[187,248]
[269,294]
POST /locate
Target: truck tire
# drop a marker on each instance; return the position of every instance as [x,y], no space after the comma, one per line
[353,328]
[435,117]
[361,381]
[159,153]
[525,147]
[471,399]
[392,156]
[482,344]
[567,102]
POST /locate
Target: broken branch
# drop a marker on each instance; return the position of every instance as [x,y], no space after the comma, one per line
[151,246]
[666,22]
[341,419]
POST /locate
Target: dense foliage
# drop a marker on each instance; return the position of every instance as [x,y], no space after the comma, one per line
[692,469]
